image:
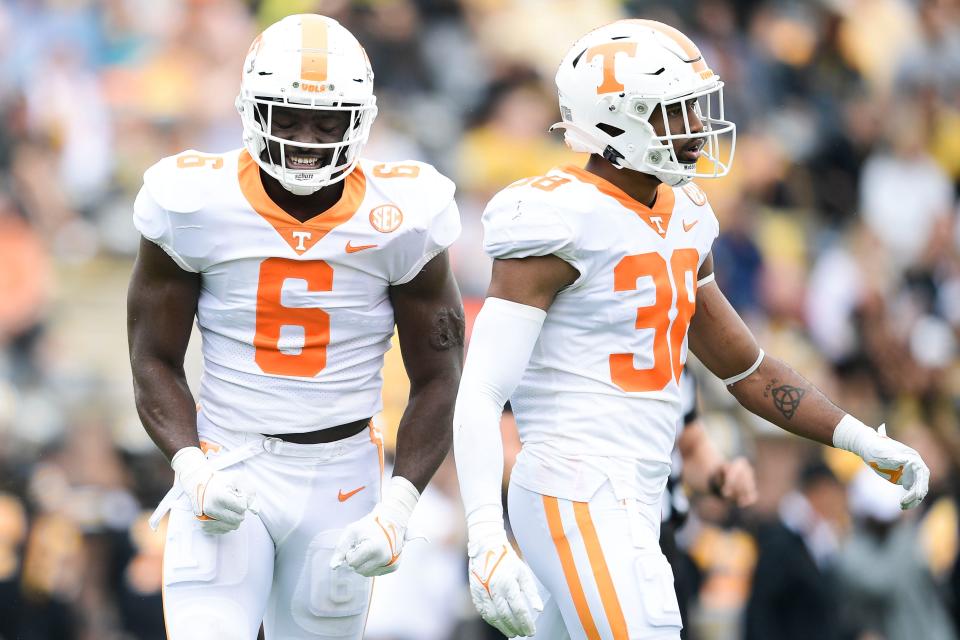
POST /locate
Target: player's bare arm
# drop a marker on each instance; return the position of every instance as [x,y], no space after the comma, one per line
[771,389]
[429,316]
[430,324]
[531,281]
[161,304]
[775,392]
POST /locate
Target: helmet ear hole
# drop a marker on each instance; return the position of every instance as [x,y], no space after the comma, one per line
[609,129]
[612,156]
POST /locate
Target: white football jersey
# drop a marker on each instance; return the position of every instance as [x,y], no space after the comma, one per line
[600,397]
[295,317]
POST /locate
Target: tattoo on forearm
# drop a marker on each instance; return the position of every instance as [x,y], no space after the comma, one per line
[786,398]
[447,330]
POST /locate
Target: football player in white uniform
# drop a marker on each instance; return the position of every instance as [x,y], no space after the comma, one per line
[602,280]
[297,258]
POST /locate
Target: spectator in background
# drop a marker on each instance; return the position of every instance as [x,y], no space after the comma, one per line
[25,280]
[794,595]
[905,197]
[934,59]
[509,143]
[884,582]
[91,93]
[737,259]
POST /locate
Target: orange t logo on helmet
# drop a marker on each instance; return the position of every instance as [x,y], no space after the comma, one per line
[608,52]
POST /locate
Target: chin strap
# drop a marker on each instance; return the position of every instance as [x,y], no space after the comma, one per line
[299,190]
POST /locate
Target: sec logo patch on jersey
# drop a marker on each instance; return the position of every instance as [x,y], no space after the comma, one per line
[386,218]
[695,193]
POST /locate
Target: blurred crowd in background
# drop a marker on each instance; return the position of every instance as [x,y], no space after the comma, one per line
[839,244]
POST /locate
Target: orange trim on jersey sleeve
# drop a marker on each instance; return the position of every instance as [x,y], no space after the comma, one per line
[313,48]
[552,509]
[608,593]
[658,218]
[301,236]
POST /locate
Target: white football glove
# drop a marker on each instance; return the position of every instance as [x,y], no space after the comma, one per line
[502,586]
[891,460]
[371,546]
[215,497]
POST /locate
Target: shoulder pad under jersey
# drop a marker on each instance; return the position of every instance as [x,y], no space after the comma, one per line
[531,217]
[184,183]
[417,188]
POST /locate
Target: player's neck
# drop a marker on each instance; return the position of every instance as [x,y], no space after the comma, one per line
[301,207]
[642,187]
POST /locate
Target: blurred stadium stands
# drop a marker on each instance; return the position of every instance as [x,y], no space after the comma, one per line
[840,245]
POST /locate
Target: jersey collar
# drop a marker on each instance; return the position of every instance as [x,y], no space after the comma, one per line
[657,217]
[301,236]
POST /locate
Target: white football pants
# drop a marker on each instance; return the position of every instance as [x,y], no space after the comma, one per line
[600,564]
[275,567]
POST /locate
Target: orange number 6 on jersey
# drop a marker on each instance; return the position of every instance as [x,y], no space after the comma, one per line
[396,171]
[667,336]
[272,315]
[192,160]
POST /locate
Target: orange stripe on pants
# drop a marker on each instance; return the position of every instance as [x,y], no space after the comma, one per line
[377,439]
[313,48]
[552,509]
[608,594]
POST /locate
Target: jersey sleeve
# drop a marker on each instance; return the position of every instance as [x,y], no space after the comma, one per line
[425,242]
[693,196]
[153,222]
[518,227]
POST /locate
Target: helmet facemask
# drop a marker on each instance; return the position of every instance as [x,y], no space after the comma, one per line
[661,157]
[257,114]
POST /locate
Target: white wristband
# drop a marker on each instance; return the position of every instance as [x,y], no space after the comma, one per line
[705,280]
[400,497]
[740,376]
[851,435]
[187,459]
[484,524]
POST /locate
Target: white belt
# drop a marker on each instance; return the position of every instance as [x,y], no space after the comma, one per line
[221,461]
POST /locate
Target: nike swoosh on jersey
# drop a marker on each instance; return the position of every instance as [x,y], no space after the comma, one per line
[687,227]
[352,248]
[343,497]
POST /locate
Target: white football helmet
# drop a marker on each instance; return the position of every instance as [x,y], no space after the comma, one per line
[306,62]
[612,81]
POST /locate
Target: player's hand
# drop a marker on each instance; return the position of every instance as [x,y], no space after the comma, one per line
[735,481]
[899,464]
[216,499]
[502,587]
[371,546]
[891,460]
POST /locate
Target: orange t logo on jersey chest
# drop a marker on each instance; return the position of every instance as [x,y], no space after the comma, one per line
[301,237]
